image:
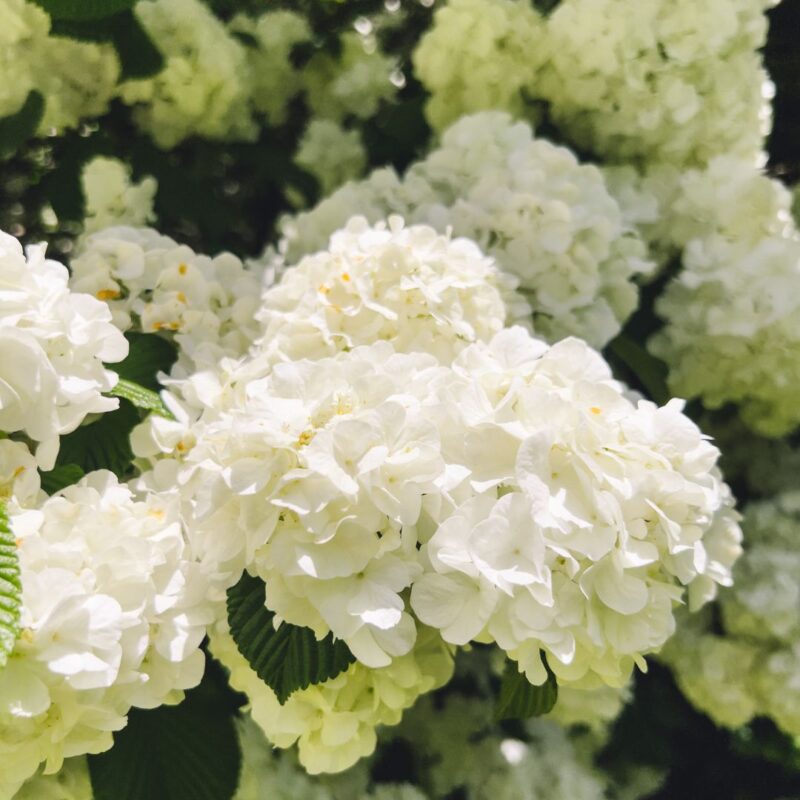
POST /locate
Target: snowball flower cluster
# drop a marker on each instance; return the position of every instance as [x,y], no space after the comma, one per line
[53,342]
[204,86]
[76,79]
[108,623]
[408,285]
[111,198]
[732,314]
[546,219]
[334,722]
[153,284]
[753,670]
[331,153]
[479,54]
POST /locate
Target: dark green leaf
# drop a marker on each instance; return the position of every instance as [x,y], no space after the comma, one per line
[18,128]
[286,659]
[520,699]
[61,476]
[143,398]
[10,588]
[651,372]
[103,444]
[148,355]
[185,752]
[84,9]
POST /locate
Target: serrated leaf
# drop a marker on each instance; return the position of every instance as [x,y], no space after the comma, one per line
[147,356]
[60,477]
[520,699]
[18,128]
[286,659]
[185,752]
[84,9]
[10,588]
[141,397]
[103,444]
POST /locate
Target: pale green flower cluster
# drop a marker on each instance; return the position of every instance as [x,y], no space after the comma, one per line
[671,80]
[754,668]
[331,153]
[732,314]
[76,79]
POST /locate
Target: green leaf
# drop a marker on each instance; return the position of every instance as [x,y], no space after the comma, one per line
[141,397]
[103,444]
[148,355]
[10,588]
[60,477]
[520,699]
[84,9]
[138,56]
[288,658]
[185,752]
[18,128]
[651,372]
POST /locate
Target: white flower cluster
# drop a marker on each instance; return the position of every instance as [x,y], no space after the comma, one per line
[108,622]
[76,79]
[732,314]
[71,782]
[547,219]
[479,54]
[111,198]
[334,722]
[204,86]
[670,80]
[513,486]
[331,153]
[153,284]
[754,669]
[53,343]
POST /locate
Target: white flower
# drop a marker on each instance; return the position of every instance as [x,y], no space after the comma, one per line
[153,284]
[592,513]
[112,198]
[407,285]
[334,722]
[54,343]
[108,622]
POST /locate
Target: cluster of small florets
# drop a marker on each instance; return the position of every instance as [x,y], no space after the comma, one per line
[547,220]
[387,433]
[154,285]
[107,622]
[331,153]
[76,79]
[751,670]
[668,80]
[732,314]
[53,343]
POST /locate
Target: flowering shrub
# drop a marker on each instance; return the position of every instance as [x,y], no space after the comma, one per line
[398,401]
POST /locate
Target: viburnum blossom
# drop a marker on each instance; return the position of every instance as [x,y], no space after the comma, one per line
[546,219]
[334,722]
[153,284]
[108,622]
[53,342]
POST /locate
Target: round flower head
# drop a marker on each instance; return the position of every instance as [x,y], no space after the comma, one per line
[333,723]
[153,284]
[53,343]
[331,153]
[591,514]
[108,622]
[752,670]
[406,285]
[204,86]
